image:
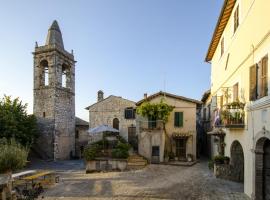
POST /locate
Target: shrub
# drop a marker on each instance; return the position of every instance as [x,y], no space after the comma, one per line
[13,156]
[121,150]
[219,159]
[90,152]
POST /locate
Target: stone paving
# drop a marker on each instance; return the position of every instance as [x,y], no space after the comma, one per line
[152,182]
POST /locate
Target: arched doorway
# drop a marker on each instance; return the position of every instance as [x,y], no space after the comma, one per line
[262,166]
[237,161]
[116,123]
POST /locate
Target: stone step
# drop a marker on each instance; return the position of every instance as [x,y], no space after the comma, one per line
[138,163]
[136,159]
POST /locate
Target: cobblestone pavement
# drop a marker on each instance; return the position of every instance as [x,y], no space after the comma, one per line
[152,182]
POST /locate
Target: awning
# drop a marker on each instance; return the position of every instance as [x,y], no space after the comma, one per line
[181,135]
[217,131]
[102,128]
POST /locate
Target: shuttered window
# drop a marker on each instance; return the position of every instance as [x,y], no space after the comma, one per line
[178,119]
[130,113]
[222,47]
[258,80]
[236,18]
[235,92]
[264,82]
[253,83]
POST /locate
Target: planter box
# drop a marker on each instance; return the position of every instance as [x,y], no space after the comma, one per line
[106,164]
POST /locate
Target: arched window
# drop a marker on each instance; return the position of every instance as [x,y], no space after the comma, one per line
[116,123]
[44,73]
[65,74]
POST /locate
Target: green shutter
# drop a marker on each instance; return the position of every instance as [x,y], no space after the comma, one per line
[178,119]
[181,119]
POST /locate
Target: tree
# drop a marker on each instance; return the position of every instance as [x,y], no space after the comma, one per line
[158,111]
[15,123]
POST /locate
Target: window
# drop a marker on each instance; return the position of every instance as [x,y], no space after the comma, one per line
[44,114]
[227,61]
[178,119]
[236,18]
[152,123]
[235,92]
[116,123]
[46,76]
[129,113]
[222,47]
[258,81]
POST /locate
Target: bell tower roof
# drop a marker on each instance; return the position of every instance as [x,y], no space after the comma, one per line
[54,36]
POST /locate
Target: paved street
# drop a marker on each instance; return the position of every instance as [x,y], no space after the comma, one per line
[153,182]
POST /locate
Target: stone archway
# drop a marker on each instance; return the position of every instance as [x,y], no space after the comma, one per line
[262,169]
[237,161]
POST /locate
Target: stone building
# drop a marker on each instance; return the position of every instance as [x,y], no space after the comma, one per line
[81,136]
[116,112]
[239,52]
[54,97]
[180,128]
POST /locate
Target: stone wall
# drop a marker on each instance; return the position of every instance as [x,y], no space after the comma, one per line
[228,172]
[105,111]
[106,165]
[54,103]
[81,141]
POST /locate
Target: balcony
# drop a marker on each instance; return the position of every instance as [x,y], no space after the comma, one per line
[150,125]
[233,116]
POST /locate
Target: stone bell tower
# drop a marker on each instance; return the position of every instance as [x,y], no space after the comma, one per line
[54,97]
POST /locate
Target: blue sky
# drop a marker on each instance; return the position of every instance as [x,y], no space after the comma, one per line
[124,47]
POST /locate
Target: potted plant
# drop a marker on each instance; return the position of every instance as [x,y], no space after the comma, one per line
[189,157]
[226,160]
[225,116]
[219,159]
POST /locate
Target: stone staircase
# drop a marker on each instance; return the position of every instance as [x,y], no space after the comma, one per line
[136,162]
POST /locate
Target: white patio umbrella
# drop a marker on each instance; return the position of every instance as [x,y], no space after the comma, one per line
[101,129]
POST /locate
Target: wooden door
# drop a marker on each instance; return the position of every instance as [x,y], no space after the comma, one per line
[181,148]
[266,171]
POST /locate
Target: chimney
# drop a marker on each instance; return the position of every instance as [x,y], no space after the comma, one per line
[145,95]
[100,95]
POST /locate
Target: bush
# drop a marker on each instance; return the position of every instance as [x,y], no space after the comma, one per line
[13,156]
[121,150]
[90,152]
[219,159]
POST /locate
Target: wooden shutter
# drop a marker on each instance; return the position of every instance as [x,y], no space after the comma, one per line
[235,92]
[221,102]
[176,119]
[181,119]
[264,82]
[253,83]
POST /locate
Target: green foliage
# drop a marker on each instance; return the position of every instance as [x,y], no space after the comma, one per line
[90,152]
[15,123]
[211,164]
[158,111]
[121,150]
[219,159]
[13,156]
